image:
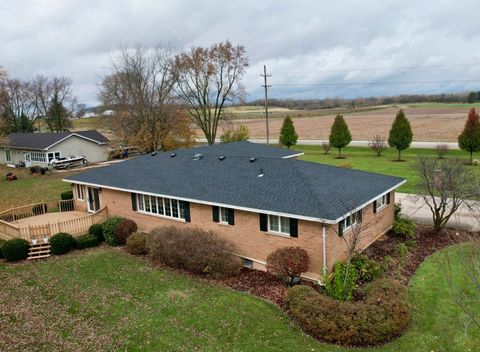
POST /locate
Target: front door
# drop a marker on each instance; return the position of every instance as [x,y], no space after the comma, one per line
[27,158]
[93,200]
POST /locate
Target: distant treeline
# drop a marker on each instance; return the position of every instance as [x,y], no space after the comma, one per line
[331,103]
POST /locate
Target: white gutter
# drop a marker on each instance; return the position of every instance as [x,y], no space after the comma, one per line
[324,245]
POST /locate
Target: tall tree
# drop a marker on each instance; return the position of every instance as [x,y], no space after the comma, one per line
[401,134]
[16,102]
[140,91]
[288,136]
[340,135]
[469,139]
[58,117]
[208,78]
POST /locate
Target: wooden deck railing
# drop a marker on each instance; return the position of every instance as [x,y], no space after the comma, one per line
[30,210]
[75,227]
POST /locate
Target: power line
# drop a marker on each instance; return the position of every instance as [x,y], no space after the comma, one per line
[375,83]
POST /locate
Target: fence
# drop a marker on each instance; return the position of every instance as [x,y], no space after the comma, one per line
[28,211]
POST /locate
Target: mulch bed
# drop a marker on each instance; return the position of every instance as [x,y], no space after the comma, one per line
[426,242]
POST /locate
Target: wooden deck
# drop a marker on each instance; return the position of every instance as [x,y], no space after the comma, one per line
[48,218]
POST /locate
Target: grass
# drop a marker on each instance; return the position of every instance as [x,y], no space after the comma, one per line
[30,189]
[444,105]
[104,299]
[362,158]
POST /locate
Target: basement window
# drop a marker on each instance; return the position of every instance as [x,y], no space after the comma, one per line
[248,263]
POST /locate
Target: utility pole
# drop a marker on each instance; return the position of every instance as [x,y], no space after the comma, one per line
[266,86]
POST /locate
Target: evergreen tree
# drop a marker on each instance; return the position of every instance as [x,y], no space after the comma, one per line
[24,124]
[401,134]
[469,139]
[340,136]
[58,119]
[288,136]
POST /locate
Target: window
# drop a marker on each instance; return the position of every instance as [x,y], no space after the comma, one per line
[37,157]
[279,224]
[381,202]
[160,206]
[350,221]
[224,215]
[7,155]
[247,262]
[53,155]
[80,194]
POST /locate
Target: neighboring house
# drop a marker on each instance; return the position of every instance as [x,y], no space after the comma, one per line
[40,148]
[256,196]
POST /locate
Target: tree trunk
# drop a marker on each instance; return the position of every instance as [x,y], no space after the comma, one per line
[339,152]
[471,157]
[399,154]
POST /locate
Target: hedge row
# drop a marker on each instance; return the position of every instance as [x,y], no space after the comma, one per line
[382,316]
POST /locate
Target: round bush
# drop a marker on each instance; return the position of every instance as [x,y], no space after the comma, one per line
[109,227]
[66,195]
[1,245]
[137,243]
[382,316]
[61,243]
[198,251]
[86,241]
[403,227]
[288,263]
[15,249]
[97,231]
[124,230]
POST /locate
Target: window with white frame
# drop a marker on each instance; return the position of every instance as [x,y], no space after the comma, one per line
[80,192]
[350,221]
[8,157]
[160,206]
[37,157]
[381,202]
[279,224]
[224,215]
[53,155]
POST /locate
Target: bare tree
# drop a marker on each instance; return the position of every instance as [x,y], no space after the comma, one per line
[140,90]
[441,149]
[208,78]
[378,144]
[326,147]
[446,184]
[17,105]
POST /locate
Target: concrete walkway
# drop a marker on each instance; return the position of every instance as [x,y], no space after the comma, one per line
[415,208]
[421,145]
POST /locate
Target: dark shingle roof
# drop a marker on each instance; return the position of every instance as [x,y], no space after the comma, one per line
[40,141]
[245,149]
[288,186]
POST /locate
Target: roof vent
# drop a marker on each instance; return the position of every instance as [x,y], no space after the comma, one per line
[221,157]
[252,160]
[153,153]
[261,173]
[173,155]
[198,156]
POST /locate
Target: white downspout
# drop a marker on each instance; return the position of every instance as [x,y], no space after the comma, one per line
[324,245]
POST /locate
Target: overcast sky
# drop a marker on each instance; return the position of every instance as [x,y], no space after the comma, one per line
[421,46]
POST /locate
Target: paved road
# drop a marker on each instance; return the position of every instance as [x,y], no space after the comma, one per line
[422,145]
[414,207]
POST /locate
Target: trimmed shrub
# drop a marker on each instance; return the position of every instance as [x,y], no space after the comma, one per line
[86,241]
[1,245]
[124,230]
[195,250]
[403,227]
[137,243]
[288,263]
[15,249]
[382,316]
[109,227]
[367,269]
[97,231]
[61,243]
[66,195]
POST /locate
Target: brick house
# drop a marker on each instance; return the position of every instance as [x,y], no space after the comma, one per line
[259,197]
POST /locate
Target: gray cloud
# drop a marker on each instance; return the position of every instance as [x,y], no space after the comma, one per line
[301,42]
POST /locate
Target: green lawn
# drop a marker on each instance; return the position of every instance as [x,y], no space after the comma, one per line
[30,189]
[364,159]
[444,105]
[104,299]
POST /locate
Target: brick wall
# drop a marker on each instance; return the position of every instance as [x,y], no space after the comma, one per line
[246,235]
